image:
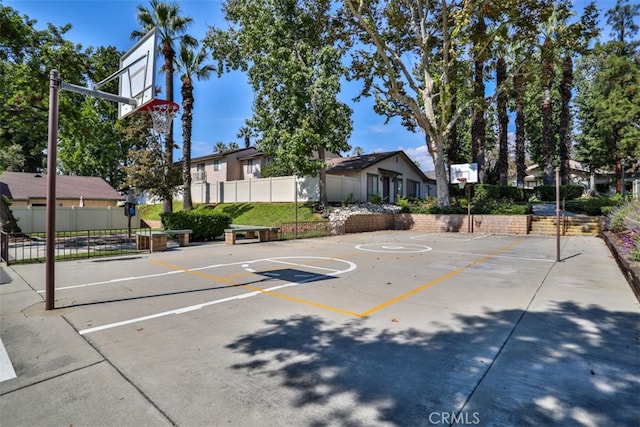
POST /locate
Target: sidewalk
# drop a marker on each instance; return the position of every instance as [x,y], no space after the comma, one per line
[59,372]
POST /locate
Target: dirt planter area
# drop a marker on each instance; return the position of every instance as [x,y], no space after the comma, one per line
[630,269]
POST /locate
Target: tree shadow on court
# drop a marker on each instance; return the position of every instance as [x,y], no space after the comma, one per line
[556,368]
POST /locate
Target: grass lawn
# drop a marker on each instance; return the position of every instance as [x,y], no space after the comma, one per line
[267,214]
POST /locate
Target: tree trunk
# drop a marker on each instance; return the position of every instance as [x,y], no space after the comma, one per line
[169,54]
[453,147]
[565,118]
[187,122]
[521,170]
[478,126]
[8,222]
[322,179]
[442,177]
[548,137]
[503,121]
[619,183]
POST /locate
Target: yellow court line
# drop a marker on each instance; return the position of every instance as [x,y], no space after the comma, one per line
[255,289]
[336,309]
[435,281]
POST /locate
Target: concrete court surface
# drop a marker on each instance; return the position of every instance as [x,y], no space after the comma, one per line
[373,329]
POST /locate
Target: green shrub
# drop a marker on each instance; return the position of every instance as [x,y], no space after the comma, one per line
[204,223]
[514,193]
[486,192]
[547,193]
[376,199]
[593,206]
[501,207]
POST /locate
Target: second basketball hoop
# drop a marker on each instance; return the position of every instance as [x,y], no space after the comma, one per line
[162,113]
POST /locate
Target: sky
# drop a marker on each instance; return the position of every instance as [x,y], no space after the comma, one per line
[221,104]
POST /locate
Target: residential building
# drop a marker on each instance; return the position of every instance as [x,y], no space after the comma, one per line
[389,175]
[30,189]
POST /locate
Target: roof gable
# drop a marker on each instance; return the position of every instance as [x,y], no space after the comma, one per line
[358,163]
[220,155]
[23,186]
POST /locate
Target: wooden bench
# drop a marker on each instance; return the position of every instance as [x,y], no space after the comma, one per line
[264,234]
[183,236]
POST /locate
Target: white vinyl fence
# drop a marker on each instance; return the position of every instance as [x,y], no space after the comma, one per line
[33,219]
[271,190]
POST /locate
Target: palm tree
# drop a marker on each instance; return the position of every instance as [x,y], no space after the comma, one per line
[358,151]
[220,147]
[165,17]
[246,134]
[191,65]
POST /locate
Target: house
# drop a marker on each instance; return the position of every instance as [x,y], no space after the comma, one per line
[234,165]
[30,189]
[599,181]
[391,175]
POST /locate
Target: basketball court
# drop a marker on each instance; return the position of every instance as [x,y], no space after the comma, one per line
[385,328]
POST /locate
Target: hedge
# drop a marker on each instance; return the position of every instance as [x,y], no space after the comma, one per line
[205,224]
[547,193]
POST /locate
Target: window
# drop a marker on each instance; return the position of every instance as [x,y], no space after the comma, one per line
[200,174]
[413,189]
[397,190]
[372,185]
[217,165]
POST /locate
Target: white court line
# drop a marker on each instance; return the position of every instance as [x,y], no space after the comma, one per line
[148,276]
[166,273]
[187,309]
[275,260]
[6,368]
[121,279]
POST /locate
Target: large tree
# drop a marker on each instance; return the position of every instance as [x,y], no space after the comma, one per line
[26,57]
[93,142]
[405,57]
[192,64]
[608,97]
[292,56]
[172,28]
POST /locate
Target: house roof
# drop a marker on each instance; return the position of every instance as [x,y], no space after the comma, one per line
[574,165]
[358,163]
[220,155]
[25,186]
[255,155]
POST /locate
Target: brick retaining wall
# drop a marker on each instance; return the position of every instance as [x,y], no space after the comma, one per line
[498,224]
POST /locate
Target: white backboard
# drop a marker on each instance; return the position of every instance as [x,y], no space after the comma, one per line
[138,79]
[469,171]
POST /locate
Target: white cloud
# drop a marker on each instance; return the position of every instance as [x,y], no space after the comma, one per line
[421,155]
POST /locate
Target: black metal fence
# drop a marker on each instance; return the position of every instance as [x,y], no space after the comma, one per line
[304,230]
[69,245]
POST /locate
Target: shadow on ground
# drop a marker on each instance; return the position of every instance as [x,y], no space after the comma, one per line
[558,362]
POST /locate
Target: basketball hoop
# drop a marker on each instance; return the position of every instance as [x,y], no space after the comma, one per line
[462,182]
[162,113]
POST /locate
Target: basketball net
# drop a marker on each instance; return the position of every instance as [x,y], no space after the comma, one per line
[162,114]
[462,182]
